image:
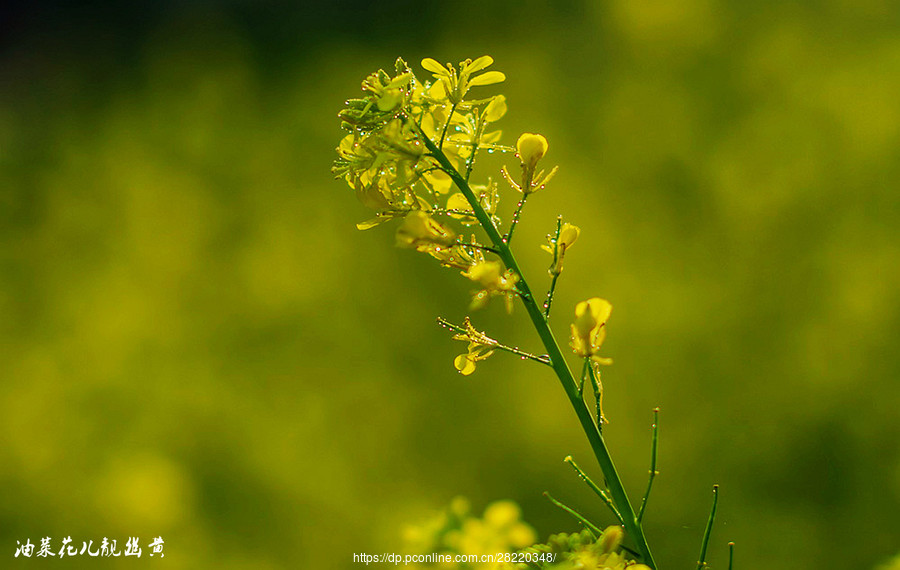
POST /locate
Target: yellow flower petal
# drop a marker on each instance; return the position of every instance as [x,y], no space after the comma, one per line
[479,64]
[491,137]
[464,364]
[370,223]
[568,234]
[434,67]
[488,78]
[440,181]
[458,201]
[588,330]
[495,109]
[488,273]
[438,91]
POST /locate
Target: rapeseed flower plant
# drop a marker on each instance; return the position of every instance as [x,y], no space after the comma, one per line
[409,154]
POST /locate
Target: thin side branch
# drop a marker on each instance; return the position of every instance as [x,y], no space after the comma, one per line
[543,359]
[479,246]
[701,564]
[597,385]
[595,530]
[446,126]
[594,487]
[515,219]
[584,373]
[554,275]
[653,472]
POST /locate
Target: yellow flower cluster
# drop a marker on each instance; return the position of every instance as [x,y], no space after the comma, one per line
[383,157]
[582,550]
[457,531]
[385,160]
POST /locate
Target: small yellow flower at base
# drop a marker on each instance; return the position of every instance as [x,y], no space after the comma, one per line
[531,148]
[421,231]
[589,328]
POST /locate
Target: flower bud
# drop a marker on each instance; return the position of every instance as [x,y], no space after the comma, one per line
[531,149]
[587,329]
[568,235]
[611,538]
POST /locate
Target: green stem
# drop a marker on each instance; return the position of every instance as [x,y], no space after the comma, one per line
[446,126]
[554,274]
[557,361]
[730,555]
[709,524]
[477,246]
[584,373]
[598,396]
[470,164]
[515,218]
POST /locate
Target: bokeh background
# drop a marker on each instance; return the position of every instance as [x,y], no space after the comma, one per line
[196,343]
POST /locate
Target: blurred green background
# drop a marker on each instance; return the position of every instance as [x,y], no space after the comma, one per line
[196,343]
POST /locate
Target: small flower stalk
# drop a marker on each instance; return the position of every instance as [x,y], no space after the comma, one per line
[409,154]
